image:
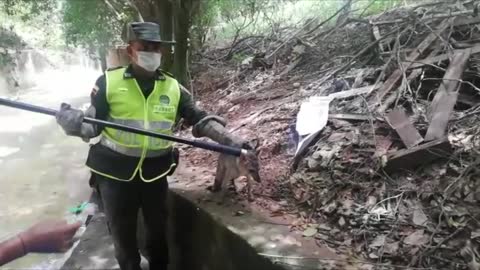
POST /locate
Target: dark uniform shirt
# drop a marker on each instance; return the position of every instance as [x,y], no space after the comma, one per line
[104,160]
[187,109]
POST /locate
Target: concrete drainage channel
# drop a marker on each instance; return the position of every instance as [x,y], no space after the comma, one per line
[196,241]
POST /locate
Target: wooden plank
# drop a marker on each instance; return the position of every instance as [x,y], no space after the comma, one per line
[410,159]
[399,121]
[349,116]
[414,74]
[459,21]
[446,96]
[432,60]
[392,81]
[354,92]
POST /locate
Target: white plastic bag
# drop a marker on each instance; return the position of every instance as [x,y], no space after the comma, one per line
[313,115]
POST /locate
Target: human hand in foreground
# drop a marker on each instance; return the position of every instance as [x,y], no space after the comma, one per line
[49,236]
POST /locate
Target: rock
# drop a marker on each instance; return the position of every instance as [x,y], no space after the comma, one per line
[341,222]
[296,85]
[313,164]
[419,217]
[309,232]
[373,256]
[283,203]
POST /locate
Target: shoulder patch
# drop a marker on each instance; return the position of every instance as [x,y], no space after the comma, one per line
[114,68]
[94,91]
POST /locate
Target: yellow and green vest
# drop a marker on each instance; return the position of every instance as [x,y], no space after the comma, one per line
[128,106]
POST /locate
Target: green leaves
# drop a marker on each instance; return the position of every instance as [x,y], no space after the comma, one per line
[26,9]
[93,24]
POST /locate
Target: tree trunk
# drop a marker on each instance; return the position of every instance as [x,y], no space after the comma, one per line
[102,53]
[184,10]
[180,64]
[147,9]
[166,31]
[161,12]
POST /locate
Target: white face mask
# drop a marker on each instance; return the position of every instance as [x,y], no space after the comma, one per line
[150,61]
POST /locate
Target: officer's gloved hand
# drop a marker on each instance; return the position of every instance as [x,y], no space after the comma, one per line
[70,119]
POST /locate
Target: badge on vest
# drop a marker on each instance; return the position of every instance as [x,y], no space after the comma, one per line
[164,106]
[164,100]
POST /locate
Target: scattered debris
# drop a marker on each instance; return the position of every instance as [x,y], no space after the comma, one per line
[391,174]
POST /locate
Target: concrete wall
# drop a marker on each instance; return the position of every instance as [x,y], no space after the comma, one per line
[196,241]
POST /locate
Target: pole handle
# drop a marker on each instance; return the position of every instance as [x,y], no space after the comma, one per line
[224,149]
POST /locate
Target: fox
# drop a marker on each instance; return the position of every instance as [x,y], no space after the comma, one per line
[229,168]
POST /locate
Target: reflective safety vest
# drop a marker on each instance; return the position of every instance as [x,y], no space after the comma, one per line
[128,106]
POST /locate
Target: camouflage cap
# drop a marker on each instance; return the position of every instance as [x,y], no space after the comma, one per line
[147,31]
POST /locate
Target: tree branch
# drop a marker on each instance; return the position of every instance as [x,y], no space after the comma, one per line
[139,14]
[117,14]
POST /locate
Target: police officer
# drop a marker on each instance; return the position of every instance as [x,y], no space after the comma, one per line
[130,170]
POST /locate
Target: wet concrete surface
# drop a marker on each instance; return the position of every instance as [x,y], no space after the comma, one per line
[42,169]
[42,175]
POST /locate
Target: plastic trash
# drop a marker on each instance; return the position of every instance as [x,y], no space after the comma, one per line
[83,212]
[313,115]
[311,119]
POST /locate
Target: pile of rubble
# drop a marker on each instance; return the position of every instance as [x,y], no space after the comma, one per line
[392,176]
